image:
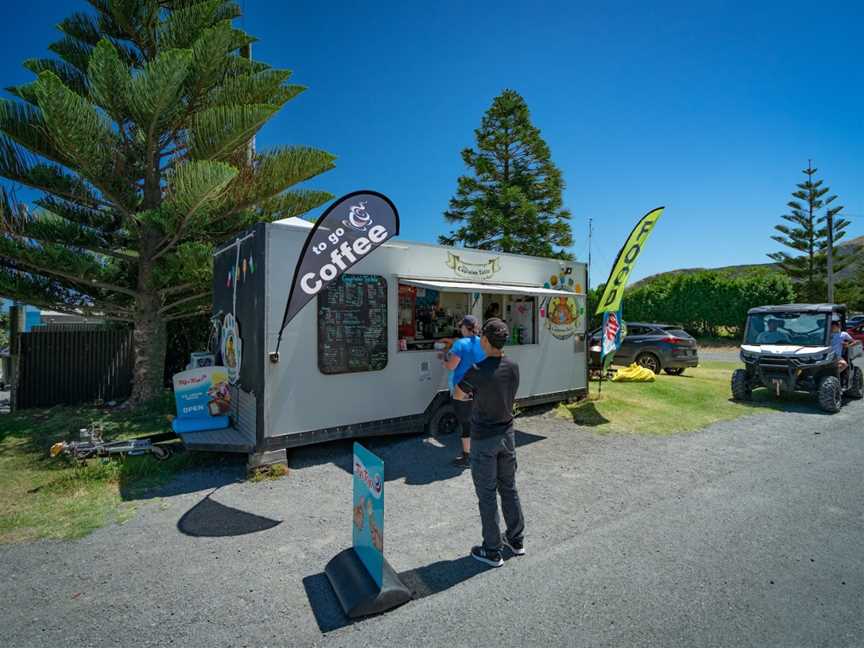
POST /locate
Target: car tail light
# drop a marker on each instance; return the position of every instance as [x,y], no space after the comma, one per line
[671,339]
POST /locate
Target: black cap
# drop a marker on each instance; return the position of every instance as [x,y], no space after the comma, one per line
[496,332]
[470,322]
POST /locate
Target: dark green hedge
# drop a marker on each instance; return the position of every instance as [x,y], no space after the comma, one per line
[704,303]
[708,301]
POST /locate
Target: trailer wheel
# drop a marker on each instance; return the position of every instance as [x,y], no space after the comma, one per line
[830,394]
[443,421]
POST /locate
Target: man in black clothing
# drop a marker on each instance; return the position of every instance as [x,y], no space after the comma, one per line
[494,383]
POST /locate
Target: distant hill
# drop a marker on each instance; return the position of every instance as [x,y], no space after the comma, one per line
[852,246]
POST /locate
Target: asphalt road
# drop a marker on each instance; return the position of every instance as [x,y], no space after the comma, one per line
[747,533]
[722,355]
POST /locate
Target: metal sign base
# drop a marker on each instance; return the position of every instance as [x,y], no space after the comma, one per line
[357,592]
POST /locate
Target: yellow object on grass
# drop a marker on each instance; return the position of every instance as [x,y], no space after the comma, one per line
[634,373]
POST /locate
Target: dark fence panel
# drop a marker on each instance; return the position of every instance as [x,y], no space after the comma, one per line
[66,367]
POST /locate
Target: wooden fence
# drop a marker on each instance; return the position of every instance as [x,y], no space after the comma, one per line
[66,367]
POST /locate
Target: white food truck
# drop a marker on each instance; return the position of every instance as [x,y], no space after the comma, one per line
[360,359]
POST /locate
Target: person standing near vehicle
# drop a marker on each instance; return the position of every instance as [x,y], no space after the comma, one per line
[464,354]
[494,383]
[840,339]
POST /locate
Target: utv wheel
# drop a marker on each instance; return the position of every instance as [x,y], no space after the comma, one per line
[830,394]
[856,389]
[740,388]
[649,361]
[674,372]
[443,421]
[160,453]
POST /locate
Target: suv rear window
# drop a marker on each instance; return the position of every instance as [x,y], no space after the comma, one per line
[677,332]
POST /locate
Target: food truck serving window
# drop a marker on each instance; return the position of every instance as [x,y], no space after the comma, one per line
[352,325]
[427,315]
[520,313]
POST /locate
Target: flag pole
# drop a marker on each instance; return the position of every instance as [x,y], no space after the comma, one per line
[588,315]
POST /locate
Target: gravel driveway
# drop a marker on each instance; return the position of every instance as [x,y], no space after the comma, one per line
[632,541]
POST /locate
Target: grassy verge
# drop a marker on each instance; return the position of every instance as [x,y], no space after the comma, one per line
[669,405]
[42,497]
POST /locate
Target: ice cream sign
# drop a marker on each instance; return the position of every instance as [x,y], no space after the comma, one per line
[368,518]
[202,392]
[372,482]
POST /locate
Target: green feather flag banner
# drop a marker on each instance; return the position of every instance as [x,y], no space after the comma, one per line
[623,266]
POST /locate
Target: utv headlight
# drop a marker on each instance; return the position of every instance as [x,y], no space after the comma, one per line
[813,359]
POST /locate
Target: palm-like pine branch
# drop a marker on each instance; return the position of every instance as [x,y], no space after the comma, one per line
[137,134]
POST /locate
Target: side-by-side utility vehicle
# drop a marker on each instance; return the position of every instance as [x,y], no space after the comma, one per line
[789,349]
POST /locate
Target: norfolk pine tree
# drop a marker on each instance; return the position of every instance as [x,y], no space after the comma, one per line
[808,234]
[512,201]
[138,137]
[4,329]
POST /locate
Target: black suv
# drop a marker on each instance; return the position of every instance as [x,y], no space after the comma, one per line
[654,346]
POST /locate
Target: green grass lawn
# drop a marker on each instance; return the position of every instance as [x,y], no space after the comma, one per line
[42,497]
[669,405]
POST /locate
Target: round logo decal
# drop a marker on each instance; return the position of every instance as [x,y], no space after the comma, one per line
[232,347]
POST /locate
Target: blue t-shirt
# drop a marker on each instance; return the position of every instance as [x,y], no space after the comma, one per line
[837,340]
[470,352]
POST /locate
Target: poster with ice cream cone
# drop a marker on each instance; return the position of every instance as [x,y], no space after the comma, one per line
[202,392]
[368,517]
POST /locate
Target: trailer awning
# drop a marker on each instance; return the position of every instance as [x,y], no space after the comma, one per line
[463,286]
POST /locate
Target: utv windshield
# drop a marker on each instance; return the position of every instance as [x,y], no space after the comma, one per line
[797,329]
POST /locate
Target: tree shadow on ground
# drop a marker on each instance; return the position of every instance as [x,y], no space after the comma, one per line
[210,519]
[587,415]
[422,581]
[418,459]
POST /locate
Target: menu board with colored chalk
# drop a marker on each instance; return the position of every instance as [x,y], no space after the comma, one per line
[352,325]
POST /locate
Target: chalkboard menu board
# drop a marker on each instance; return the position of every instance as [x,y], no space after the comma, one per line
[352,325]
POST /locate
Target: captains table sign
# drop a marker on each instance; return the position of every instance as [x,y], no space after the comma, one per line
[348,231]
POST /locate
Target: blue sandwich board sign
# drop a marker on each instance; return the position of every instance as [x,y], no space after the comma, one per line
[368,526]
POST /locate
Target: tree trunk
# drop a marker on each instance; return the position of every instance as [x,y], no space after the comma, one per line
[148,342]
[149,337]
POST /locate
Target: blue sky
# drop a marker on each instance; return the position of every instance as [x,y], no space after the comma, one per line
[710,108]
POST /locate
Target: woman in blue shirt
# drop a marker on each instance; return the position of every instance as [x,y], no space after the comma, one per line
[464,354]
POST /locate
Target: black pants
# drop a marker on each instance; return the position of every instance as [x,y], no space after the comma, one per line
[463,411]
[493,468]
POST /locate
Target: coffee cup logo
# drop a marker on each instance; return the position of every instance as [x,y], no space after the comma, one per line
[358,218]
